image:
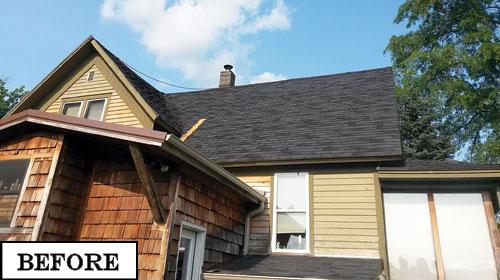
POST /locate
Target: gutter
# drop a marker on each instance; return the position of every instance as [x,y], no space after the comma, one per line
[250,215]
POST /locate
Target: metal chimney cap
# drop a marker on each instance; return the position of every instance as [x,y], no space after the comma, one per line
[228,67]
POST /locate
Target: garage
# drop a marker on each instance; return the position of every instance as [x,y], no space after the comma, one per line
[439,235]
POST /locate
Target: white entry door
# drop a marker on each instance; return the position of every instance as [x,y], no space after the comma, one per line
[464,241]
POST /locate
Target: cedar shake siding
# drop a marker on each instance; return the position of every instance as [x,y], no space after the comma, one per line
[88,187]
[117,209]
[68,193]
[41,149]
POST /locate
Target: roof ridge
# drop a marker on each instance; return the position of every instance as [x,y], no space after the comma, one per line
[282,81]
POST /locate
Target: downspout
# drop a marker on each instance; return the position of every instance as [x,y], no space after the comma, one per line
[248,217]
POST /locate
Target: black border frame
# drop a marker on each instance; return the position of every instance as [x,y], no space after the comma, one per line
[72,242]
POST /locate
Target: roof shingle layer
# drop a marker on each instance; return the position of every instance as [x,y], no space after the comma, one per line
[305,267]
[348,115]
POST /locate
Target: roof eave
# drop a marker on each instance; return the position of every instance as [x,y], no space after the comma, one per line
[311,161]
[163,143]
[174,145]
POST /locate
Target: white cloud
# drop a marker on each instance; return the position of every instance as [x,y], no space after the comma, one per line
[197,37]
[267,77]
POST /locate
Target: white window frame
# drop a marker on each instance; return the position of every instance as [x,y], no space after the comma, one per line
[103,108]
[275,212]
[73,102]
[199,250]
[84,106]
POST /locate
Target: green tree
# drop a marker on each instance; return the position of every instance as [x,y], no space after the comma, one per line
[450,58]
[422,134]
[9,98]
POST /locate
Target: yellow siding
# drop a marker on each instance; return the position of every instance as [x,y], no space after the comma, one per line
[260,225]
[117,111]
[345,217]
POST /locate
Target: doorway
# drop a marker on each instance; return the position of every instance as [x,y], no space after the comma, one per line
[190,252]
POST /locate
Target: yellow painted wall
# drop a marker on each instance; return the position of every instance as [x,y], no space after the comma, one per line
[117,110]
[260,225]
[345,216]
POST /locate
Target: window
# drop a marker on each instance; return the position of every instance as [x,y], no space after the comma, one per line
[90,76]
[12,174]
[191,252]
[72,109]
[95,109]
[291,212]
[88,109]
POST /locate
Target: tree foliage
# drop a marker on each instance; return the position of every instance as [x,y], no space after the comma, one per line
[423,136]
[450,59]
[9,98]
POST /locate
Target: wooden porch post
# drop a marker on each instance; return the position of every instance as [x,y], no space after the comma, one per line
[435,237]
[492,225]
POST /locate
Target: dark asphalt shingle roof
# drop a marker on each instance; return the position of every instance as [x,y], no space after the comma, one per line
[435,165]
[336,116]
[305,267]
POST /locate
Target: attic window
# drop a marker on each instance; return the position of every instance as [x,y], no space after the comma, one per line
[89,109]
[72,109]
[90,76]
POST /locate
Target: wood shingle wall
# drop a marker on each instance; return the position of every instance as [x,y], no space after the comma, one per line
[117,209]
[42,150]
[345,218]
[221,214]
[68,194]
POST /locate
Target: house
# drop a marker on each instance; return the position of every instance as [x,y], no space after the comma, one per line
[302,178]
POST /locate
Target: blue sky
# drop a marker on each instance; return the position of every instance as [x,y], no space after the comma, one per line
[265,40]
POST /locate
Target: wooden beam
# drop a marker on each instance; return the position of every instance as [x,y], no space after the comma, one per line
[173,194]
[149,184]
[492,226]
[192,129]
[435,237]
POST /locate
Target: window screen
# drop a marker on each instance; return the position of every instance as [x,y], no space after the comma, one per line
[94,109]
[291,211]
[12,175]
[72,109]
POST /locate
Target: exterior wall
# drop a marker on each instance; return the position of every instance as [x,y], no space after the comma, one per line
[344,213]
[67,195]
[210,206]
[260,235]
[42,150]
[116,111]
[117,209]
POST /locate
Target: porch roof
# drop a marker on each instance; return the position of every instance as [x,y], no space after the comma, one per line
[300,267]
[156,142]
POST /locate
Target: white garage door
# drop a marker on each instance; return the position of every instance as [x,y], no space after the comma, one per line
[464,238]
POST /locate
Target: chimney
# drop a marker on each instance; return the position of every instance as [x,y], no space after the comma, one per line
[227,77]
